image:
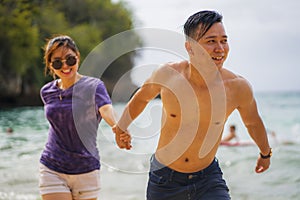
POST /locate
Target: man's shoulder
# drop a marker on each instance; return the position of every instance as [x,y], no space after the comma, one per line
[167,71]
[177,66]
[233,78]
[238,87]
[236,84]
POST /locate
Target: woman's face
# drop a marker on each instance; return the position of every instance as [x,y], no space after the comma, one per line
[66,59]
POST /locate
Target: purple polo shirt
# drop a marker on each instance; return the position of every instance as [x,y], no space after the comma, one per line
[73,119]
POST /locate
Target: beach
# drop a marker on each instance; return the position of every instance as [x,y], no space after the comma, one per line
[124,174]
[263,39]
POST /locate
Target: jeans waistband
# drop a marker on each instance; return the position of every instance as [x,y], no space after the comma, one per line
[160,168]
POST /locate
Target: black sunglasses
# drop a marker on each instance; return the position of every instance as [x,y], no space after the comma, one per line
[58,63]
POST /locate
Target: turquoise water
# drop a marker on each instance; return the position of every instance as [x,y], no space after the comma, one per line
[124,173]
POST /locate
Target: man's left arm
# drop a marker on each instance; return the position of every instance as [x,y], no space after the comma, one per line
[254,124]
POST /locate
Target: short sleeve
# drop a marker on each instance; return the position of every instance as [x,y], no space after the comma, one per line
[101,97]
[47,92]
[42,95]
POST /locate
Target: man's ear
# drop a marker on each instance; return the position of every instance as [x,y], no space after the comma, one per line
[188,48]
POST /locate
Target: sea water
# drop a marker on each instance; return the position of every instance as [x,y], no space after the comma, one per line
[124,173]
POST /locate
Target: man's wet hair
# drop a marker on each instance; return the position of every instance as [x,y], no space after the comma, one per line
[199,23]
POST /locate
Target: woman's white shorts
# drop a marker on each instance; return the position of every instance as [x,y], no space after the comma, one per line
[81,186]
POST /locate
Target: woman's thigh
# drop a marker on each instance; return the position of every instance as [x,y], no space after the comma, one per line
[60,196]
[56,196]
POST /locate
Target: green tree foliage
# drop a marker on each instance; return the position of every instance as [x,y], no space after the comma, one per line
[18,37]
[26,24]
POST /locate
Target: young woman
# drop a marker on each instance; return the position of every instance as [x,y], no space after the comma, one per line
[74,106]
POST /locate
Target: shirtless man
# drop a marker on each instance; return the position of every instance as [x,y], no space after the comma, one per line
[197,96]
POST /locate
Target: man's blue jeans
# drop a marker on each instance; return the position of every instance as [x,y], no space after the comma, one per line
[167,184]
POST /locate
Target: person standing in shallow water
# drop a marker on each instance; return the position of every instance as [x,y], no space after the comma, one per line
[197,96]
[231,135]
[74,106]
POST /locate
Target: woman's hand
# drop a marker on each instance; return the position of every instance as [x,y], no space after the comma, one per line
[123,138]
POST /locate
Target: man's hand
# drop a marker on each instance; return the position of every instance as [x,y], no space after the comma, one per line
[262,164]
[123,138]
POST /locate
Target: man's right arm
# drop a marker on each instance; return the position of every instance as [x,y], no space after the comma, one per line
[138,102]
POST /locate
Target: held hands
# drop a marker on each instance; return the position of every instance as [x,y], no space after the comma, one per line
[123,138]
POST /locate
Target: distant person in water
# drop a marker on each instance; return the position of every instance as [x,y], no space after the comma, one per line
[9,130]
[231,135]
[279,141]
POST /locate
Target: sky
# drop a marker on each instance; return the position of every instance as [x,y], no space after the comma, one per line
[264,36]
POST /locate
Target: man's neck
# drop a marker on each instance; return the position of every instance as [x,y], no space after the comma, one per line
[204,77]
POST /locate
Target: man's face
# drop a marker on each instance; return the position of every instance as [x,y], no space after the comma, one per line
[215,43]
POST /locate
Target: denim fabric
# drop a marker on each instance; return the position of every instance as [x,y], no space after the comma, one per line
[167,184]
